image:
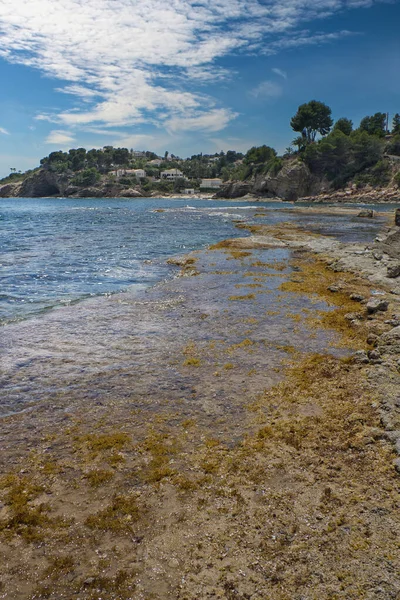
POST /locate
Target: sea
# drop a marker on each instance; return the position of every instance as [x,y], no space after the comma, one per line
[84,284]
[57,252]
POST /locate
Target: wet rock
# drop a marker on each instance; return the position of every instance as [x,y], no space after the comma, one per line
[360,357]
[397,217]
[366,214]
[393,271]
[377,304]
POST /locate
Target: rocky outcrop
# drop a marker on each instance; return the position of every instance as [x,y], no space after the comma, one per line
[8,190]
[293,181]
[234,190]
[41,184]
[131,193]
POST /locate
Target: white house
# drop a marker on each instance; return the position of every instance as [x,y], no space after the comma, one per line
[172,174]
[138,173]
[211,183]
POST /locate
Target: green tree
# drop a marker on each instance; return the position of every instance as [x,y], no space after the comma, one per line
[374,125]
[394,146]
[312,118]
[87,177]
[259,154]
[396,124]
[344,125]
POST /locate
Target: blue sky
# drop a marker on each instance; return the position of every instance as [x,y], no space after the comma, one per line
[186,76]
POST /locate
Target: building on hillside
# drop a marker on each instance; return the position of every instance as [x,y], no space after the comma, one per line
[188,191]
[138,154]
[172,174]
[210,183]
[138,173]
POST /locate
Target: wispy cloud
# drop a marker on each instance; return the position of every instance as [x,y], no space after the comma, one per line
[4,131]
[128,62]
[59,137]
[266,89]
[280,73]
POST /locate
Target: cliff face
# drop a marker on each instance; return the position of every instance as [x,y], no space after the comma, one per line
[293,181]
[45,183]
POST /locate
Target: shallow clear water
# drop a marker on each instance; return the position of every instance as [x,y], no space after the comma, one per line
[83,322]
[55,252]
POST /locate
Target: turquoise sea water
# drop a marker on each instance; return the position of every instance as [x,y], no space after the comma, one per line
[55,252]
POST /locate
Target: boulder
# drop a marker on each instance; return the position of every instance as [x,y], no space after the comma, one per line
[389,342]
[366,214]
[377,304]
[393,271]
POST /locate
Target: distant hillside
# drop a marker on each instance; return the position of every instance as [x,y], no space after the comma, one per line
[343,158]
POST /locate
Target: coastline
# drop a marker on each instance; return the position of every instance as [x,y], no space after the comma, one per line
[243,463]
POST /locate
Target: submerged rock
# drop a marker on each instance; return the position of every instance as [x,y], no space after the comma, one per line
[366,214]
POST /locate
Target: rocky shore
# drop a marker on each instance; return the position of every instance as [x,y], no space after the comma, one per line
[367,195]
[249,449]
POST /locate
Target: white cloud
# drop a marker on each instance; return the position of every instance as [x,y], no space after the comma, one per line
[128,62]
[266,89]
[280,73]
[59,137]
[4,131]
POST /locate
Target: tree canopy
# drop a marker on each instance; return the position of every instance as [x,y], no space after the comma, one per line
[344,125]
[374,125]
[312,118]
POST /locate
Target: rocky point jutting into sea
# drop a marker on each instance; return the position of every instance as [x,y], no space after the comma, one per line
[231,430]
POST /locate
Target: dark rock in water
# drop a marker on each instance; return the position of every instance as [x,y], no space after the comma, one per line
[366,214]
[377,304]
[397,217]
[393,271]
